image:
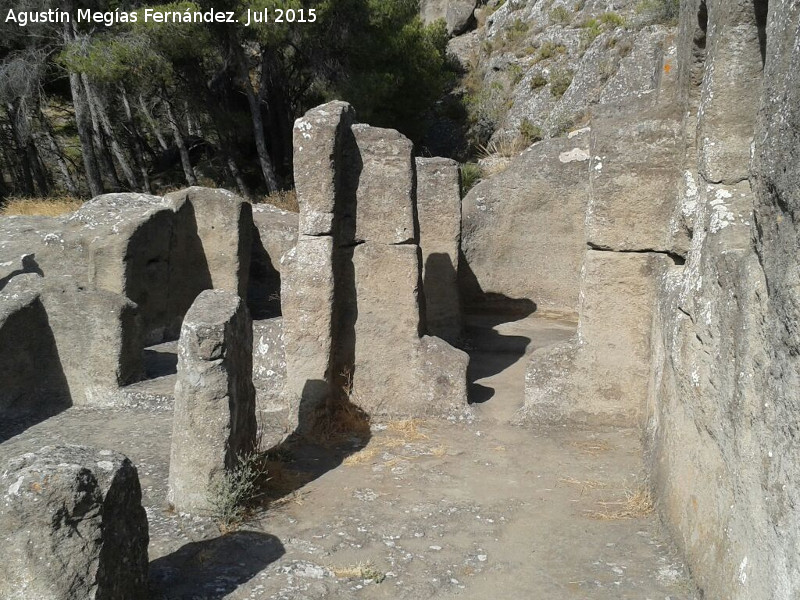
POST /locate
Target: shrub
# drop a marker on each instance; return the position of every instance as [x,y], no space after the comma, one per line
[530,133]
[285,200]
[471,174]
[560,16]
[516,73]
[612,20]
[591,29]
[560,80]
[232,493]
[550,49]
[516,31]
[538,81]
[660,11]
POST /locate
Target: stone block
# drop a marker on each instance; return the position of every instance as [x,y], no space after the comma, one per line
[214,421]
[73,525]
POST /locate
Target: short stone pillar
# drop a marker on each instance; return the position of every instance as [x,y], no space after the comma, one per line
[214,419]
[73,526]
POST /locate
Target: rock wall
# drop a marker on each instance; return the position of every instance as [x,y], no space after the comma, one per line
[723,413]
[523,230]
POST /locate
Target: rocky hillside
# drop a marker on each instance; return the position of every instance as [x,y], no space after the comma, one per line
[535,67]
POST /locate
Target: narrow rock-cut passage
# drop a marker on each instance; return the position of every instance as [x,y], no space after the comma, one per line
[476,508]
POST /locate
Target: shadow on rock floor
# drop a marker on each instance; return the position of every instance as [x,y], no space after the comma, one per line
[212,569]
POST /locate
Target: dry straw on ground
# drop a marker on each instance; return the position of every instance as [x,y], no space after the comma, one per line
[637,504]
[42,207]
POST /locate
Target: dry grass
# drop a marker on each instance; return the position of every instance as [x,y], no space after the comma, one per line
[363,457]
[593,447]
[407,430]
[399,434]
[285,200]
[41,207]
[637,504]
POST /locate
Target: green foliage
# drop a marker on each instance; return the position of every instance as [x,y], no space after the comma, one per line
[396,66]
[530,133]
[516,31]
[612,20]
[560,80]
[550,49]
[538,81]
[471,173]
[660,11]
[516,73]
[591,29]
[560,15]
[496,7]
[232,493]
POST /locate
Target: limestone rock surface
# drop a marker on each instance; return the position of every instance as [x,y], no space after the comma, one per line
[73,526]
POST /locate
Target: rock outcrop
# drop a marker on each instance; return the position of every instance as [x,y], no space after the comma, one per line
[725,376]
[214,422]
[73,526]
[523,230]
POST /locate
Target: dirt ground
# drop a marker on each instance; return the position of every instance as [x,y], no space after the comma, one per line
[474,509]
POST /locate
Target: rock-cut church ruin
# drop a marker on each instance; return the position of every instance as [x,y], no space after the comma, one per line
[654,247]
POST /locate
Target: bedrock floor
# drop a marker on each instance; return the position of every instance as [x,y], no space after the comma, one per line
[473,509]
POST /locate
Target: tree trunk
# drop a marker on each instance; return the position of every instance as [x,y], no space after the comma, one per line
[237,176]
[93,178]
[186,162]
[69,182]
[20,147]
[37,168]
[100,142]
[258,125]
[138,152]
[110,134]
[152,123]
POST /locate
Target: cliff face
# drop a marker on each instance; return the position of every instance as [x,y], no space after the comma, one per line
[688,294]
[724,409]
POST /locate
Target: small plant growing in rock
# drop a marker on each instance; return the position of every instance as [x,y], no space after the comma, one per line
[234,492]
[471,173]
[560,80]
[591,29]
[516,31]
[538,81]
[612,20]
[530,132]
[549,50]
[516,73]
[560,15]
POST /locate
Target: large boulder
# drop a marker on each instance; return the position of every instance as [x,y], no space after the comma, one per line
[34,382]
[523,230]
[73,526]
[457,14]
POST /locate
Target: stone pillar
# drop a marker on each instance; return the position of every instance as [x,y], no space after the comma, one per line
[74,526]
[214,418]
[439,213]
[393,368]
[308,274]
